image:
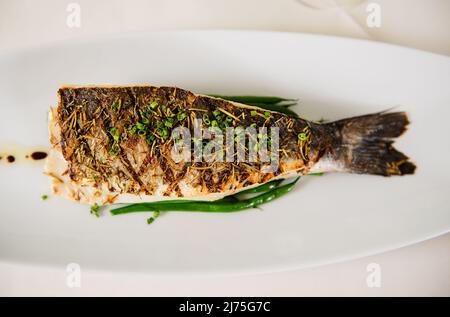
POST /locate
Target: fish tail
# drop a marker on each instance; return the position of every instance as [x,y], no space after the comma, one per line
[363,144]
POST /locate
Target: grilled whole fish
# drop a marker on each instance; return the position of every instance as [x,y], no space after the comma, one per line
[113,145]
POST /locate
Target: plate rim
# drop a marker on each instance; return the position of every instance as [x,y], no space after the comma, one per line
[224,271]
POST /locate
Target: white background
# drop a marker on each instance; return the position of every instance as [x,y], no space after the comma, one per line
[422,269]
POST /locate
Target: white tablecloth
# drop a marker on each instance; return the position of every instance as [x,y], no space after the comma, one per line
[421,269]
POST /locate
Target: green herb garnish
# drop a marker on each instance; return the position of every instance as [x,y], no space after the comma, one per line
[116,105]
[206,119]
[302,136]
[95,208]
[163,132]
[181,116]
[115,134]
[169,122]
[115,148]
[150,138]
[153,217]
[140,126]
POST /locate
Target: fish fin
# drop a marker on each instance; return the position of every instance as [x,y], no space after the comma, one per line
[363,144]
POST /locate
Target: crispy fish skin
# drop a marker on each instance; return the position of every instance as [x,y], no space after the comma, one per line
[100,152]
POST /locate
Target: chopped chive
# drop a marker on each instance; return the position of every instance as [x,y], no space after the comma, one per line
[181,116]
[95,208]
[162,132]
[44,197]
[206,119]
[150,138]
[115,105]
[169,122]
[133,129]
[153,217]
[302,136]
[115,134]
[115,148]
[140,126]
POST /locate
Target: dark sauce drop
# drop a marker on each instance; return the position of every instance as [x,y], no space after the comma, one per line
[38,155]
[10,158]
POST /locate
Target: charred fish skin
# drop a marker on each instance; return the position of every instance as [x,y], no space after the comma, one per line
[102,140]
[364,144]
[116,141]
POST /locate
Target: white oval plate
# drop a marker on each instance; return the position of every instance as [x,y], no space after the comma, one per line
[330,218]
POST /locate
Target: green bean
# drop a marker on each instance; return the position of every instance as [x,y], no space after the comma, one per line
[264,102]
[261,104]
[279,109]
[184,201]
[261,188]
[232,198]
[217,206]
[253,99]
